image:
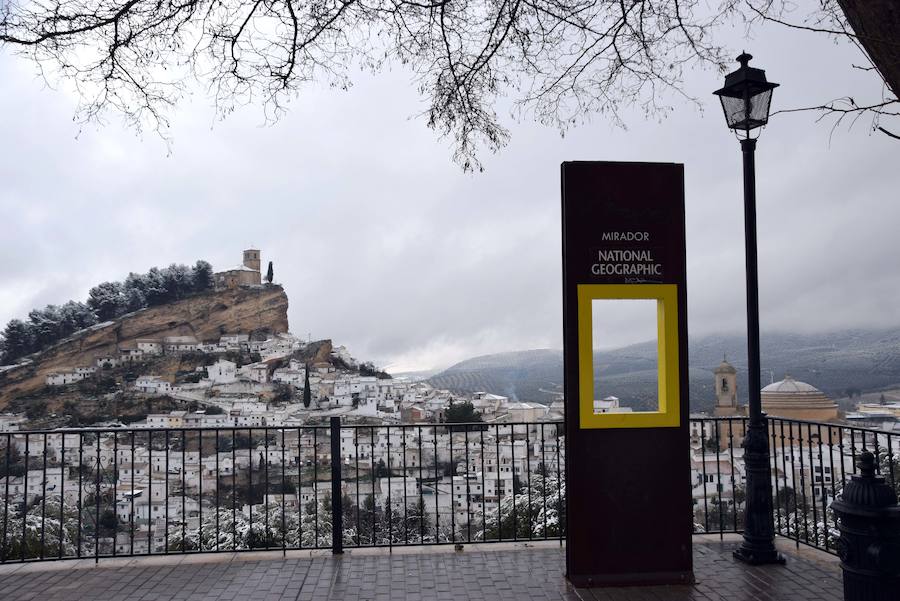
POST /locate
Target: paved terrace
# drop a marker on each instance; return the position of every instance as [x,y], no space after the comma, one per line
[488,572]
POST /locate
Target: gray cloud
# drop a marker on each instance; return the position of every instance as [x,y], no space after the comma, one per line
[385,246]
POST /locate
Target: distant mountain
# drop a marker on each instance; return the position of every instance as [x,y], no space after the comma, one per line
[413,376]
[859,360]
[534,375]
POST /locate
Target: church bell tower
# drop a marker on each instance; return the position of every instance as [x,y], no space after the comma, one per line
[251,258]
[726,389]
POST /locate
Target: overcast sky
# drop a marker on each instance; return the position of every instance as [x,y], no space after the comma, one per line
[384,245]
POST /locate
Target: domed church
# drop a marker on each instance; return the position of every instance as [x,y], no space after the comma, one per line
[794,399]
[788,398]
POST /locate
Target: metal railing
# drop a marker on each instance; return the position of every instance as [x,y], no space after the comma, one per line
[810,463]
[143,491]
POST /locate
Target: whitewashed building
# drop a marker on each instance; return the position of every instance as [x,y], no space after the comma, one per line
[180,344]
[153,384]
[257,372]
[9,422]
[526,412]
[102,362]
[149,346]
[235,341]
[174,419]
[396,490]
[289,376]
[222,371]
[63,378]
[488,404]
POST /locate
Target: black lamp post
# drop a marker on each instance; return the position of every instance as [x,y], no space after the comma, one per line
[746,98]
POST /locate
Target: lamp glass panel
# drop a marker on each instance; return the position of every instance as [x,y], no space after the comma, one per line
[759,107]
[734,110]
[736,114]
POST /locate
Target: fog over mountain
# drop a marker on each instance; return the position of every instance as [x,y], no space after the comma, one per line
[866,360]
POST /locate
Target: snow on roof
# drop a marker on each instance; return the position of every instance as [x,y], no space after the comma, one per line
[870,415]
[525,405]
[8,367]
[790,385]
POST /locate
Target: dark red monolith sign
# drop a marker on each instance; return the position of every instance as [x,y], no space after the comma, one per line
[629,511]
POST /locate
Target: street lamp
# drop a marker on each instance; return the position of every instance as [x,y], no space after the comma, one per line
[745,99]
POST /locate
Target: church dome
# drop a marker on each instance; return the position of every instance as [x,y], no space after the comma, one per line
[789,385]
[798,400]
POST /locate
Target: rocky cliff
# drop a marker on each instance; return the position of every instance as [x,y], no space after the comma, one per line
[246,310]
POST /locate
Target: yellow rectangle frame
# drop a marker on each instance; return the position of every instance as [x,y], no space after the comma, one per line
[669,414]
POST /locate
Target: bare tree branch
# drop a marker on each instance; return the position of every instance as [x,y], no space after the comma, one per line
[873,26]
[887,133]
[560,61]
[851,107]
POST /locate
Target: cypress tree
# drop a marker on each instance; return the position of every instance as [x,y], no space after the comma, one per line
[307,397]
[270,273]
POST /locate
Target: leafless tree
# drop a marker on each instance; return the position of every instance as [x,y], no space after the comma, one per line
[873,26]
[558,61]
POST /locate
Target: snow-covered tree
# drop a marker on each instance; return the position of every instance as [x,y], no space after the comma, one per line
[107,300]
[177,280]
[316,523]
[537,511]
[202,276]
[45,325]
[134,300]
[810,527]
[266,526]
[44,532]
[227,529]
[16,341]
[75,316]
[154,288]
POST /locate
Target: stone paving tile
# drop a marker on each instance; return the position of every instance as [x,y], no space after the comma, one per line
[476,575]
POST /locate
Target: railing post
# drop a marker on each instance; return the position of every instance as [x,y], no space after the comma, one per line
[337,516]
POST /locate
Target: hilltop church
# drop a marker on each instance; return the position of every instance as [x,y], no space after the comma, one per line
[246,274]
